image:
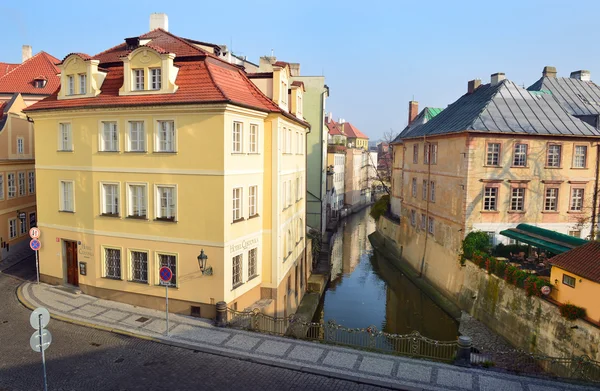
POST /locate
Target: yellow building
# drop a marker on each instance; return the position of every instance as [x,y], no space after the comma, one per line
[480,165]
[156,150]
[576,278]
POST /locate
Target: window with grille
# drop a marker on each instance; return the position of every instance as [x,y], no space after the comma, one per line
[414,187]
[432,191]
[65,143]
[577,199]
[110,137]
[138,205]
[490,198]
[553,155]
[580,156]
[520,155]
[155,78]
[112,263]
[12,228]
[169,261]
[139,266]
[166,136]
[237,137]
[20,146]
[137,136]
[252,262]
[166,207]
[237,203]
[551,199]
[237,270]
[138,79]
[252,200]
[22,188]
[66,198]
[253,146]
[493,154]
[82,83]
[416,153]
[424,190]
[517,199]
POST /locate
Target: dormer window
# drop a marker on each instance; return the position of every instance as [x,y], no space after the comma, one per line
[138,79]
[71,83]
[39,82]
[284,93]
[82,83]
[155,79]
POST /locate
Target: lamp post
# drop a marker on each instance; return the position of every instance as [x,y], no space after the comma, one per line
[202,259]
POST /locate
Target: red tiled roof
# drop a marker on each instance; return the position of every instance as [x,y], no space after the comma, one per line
[6,67]
[282,64]
[20,79]
[298,84]
[260,75]
[83,56]
[334,128]
[583,261]
[352,132]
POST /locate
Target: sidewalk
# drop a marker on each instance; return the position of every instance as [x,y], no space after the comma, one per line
[349,364]
[15,257]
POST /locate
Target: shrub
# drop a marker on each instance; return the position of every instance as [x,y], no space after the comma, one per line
[502,250]
[510,275]
[380,207]
[475,241]
[500,269]
[571,311]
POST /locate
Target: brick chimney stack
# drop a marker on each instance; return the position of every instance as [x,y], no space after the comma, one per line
[413,111]
[549,71]
[473,85]
[159,20]
[26,53]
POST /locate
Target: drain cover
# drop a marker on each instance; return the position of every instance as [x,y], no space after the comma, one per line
[142,319]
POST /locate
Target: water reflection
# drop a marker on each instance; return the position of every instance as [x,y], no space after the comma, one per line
[365,289]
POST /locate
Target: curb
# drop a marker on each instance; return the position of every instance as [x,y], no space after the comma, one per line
[204,349]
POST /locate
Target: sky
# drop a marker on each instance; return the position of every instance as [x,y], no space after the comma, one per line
[376,55]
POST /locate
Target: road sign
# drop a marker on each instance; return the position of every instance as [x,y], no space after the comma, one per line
[35,244]
[545,290]
[34,233]
[165,274]
[34,319]
[34,341]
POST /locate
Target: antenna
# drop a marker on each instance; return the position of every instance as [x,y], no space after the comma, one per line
[272,53]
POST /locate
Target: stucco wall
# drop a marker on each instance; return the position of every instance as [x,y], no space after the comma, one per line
[584,294]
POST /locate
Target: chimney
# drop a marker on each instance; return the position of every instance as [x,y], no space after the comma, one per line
[497,78]
[26,53]
[329,117]
[581,75]
[473,85]
[159,20]
[413,111]
[295,69]
[549,71]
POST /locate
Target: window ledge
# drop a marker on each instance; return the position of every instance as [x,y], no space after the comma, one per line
[113,278]
[239,284]
[519,166]
[238,220]
[253,216]
[516,211]
[136,152]
[492,166]
[237,153]
[551,212]
[117,151]
[138,217]
[252,277]
[579,168]
[139,282]
[575,212]
[67,211]
[109,215]
[167,220]
[165,152]
[64,150]
[253,153]
[552,168]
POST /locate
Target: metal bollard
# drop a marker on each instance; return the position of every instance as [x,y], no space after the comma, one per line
[221,319]
[463,354]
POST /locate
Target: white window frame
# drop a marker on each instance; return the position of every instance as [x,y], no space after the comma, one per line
[284,93]
[82,83]
[289,192]
[577,199]
[297,143]
[413,217]
[105,209]
[432,190]
[288,147]
[492,157]
[65,137]
[12,189]
[158,202]
[431,225]
[237,137]
[174,281]
[22,183]
[70,85]
[414,187]
[237,270]
[516,199]
[155,79]
[415,153]
[131,204]
[490,201]
[132,263]
[236,206]
[520,155]
[434,152]
[109,136]
[424,190]
[20,145]
[63,205]
[553,157]
[139,141]
[566,280]
[580,156]
[252,200]
[423,221]
[137,77]
[252,265]
[13,228]
[253,142]
[105,273]
[553,198]
[166,140]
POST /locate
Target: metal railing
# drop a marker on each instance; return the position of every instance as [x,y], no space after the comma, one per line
[257,321]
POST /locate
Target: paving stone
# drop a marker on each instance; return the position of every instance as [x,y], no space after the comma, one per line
[487,383]
[376,365]
[533,387]
[305,353]
[157,326]
[132,321]
[242,342]
[94,309]
[455,379]
[341,360]
[414,372]
[78,302]
[114,315]
[82,313]
[200,334]
[273,348]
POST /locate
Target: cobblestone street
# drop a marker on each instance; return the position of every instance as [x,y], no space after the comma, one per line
[87,359]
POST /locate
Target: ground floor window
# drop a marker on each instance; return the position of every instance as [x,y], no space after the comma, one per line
[237,270]
[252,261]
[12,228]
[139,266]
[112,263]
[169,261]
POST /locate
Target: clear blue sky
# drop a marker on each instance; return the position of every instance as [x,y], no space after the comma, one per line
[375,55]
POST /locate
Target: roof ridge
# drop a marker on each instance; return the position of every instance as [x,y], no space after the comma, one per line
[490,100]
[258,91]
[40,53]
[212,79]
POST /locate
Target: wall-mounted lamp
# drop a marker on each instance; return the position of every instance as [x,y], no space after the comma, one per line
[556,281]
[202,259]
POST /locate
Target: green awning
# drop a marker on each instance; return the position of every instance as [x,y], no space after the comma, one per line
[545,239]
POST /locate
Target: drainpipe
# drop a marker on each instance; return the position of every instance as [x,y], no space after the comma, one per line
[426,205]
[595,201]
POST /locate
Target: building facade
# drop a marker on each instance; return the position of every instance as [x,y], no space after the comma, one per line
[156,151]
[336,161]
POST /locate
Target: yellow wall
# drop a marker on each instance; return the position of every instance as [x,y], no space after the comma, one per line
[585,293]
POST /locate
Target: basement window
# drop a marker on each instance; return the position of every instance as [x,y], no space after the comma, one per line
[195,311]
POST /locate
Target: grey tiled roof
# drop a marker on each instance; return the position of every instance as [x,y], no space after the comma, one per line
[507,108]
[578,97]
[419,120]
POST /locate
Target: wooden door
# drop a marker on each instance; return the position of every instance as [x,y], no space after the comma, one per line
[72,267]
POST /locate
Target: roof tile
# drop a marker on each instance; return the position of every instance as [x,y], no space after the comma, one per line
[20,78]
[583,261]
[351,131]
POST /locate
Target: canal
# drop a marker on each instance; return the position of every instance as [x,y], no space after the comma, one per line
[366,290]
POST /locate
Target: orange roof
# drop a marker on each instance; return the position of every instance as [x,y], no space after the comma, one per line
[20,78]
[583,261]
[351,132]
[6,67]
[334,128]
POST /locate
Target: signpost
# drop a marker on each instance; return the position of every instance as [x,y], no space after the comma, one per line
[546,290]
[35,245]
[41,338]
[165,278]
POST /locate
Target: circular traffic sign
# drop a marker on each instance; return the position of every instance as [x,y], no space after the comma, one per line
[545,290]
[35,244]
[34,341]
[34,319]
[34,233]
[165,274]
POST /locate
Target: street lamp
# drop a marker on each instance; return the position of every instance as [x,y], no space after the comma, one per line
[202,258]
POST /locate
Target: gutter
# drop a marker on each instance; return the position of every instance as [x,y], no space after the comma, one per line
[595,200]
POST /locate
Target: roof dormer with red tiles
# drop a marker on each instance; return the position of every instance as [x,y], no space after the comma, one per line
[80,77]
[281,85]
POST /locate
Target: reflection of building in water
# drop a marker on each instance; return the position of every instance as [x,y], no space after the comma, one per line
[351,246]
[336,254]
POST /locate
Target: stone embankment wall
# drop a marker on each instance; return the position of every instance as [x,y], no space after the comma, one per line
[529,323]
